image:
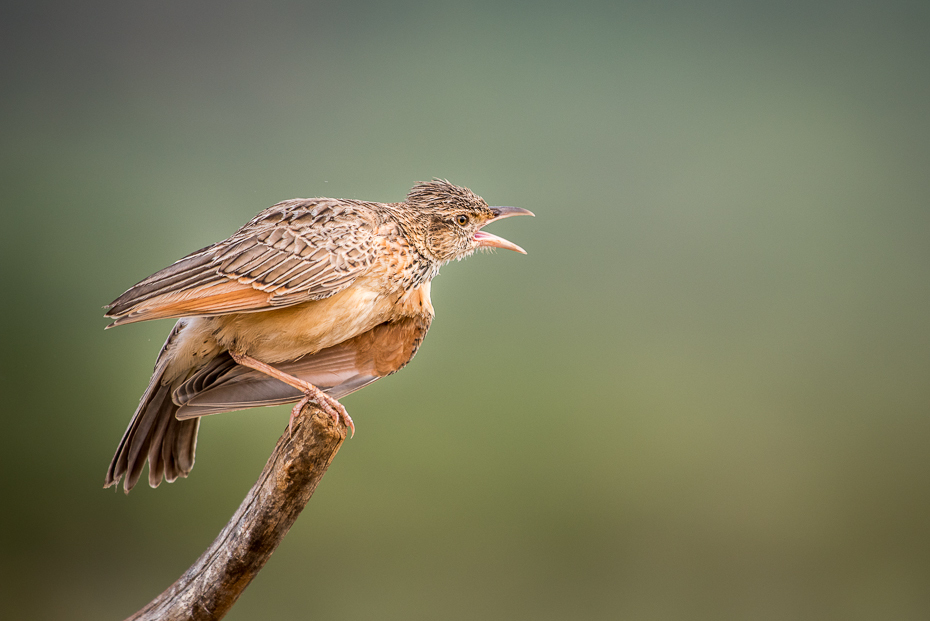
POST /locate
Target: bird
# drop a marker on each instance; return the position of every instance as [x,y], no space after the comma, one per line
[309,301]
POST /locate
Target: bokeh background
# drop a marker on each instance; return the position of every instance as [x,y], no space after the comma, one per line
[704,394]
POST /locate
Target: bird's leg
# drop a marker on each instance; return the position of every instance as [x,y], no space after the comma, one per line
[311,392]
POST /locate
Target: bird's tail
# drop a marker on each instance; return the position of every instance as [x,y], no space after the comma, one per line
[156,435]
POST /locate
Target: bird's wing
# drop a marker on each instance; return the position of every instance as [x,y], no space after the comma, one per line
[224,386]
[293,252]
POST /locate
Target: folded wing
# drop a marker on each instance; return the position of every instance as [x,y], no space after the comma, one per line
[223,385]
[293,252]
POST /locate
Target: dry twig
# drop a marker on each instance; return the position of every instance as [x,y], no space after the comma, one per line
[213,584]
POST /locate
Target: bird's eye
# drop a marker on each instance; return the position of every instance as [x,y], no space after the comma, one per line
[462,219]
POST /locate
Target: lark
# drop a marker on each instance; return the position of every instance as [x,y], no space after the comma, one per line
[310,301]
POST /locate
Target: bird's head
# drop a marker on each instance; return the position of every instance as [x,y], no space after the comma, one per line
[451,219]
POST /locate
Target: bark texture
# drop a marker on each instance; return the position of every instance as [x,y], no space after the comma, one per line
[213,584]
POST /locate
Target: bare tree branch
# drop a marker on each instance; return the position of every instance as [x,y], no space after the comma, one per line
[213,584]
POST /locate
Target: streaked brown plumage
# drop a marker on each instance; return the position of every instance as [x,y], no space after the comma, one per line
[333,294]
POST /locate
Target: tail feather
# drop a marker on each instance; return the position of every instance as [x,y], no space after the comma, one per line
[186,445]
[155,451]
[169,442]
[156,436]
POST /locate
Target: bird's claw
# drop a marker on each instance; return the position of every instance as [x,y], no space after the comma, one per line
[328,404]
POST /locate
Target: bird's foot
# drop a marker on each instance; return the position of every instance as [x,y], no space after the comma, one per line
[331,406]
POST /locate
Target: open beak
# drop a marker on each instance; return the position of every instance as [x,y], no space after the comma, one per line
[493,241]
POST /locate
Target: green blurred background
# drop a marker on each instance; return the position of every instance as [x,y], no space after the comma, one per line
[704,394]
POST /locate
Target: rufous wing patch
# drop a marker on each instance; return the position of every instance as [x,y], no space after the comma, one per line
[387,347]
[214,299]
